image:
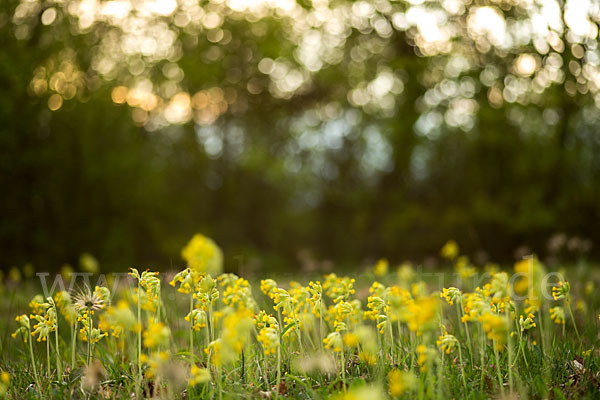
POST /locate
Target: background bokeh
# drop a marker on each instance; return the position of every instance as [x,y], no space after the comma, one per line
[292,131]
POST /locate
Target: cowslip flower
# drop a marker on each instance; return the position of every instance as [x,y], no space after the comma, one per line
[316,297]
[451,295]
[197,318]
[498,288]
[24,327]
[187,280]
[447,343]
[526,323]
[65,305]
[199,375]
[38,304]
[400,382]
[557,314]
[450,250]
[4,383]
[203,255]
[381,268]
[268,337]
[463,268]
[268,287]
[338,289]
[561,290]
[157,334]
[495,327]
[207,292]
[425,355]
[334,342]
[422,314]
[119,319]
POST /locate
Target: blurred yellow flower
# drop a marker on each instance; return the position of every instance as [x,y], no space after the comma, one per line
[450,250]
[203,255]
[381,268]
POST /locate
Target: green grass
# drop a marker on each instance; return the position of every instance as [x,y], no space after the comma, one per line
[551,364]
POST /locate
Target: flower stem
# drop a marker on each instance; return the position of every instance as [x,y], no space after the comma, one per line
[278,370]
[48,356]
[58,362]
[139,341]
[73,343]
[191,332]
[37,378]
[500,381]
[573,318]
[464,380]
[90,323]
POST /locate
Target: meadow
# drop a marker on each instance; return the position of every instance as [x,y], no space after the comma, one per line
[392,331]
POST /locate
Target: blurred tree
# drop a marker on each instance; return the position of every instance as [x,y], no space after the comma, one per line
[355,129]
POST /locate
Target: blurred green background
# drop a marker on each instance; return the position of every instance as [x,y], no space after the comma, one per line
[292,131]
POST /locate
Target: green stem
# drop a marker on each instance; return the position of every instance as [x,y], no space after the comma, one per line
[191,332]
[58,362]
[573,319]
[343,368]
[321,325]
[73,343]
[510,352]
[483,345]
[139,341]
[462,365]
[37,378]
[278,371]
[48,356]
[90,324]
[499,373]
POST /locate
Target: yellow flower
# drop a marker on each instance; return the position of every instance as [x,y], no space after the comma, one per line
[447,343]
[239,294]
[450,250]
[334,342]
[315,299]
[561,291]
[531,276]
[381,268]
[197,318]
[366,392]
[203,255]
[4,383]
[337,288]
[88,263]
[451,295]
[199,375]
[38,305]
[422,314]
[65,305]
[24,328]
[526,323]
[157,334]
[268,287]
[66,271]
[350,340]
[268,337]
[422,359]
[119,318]
[14,274]
[406,274]
[400,382]
[498,288]
[495,327]
[557,314]
[463,268]
[187,280]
